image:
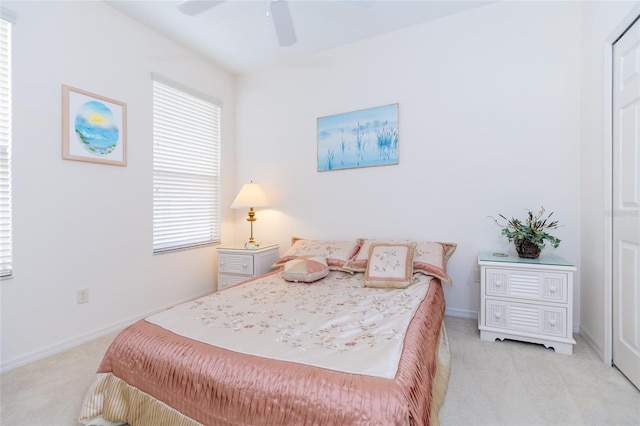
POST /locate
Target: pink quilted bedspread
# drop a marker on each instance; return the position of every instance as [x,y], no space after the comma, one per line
[215,386]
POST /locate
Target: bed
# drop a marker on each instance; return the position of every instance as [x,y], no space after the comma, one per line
[342,333]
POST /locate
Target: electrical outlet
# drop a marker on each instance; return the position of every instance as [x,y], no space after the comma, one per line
[82,296]
[476,278]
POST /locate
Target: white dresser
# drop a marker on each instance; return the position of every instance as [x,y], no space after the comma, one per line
[529,300]
[237,264]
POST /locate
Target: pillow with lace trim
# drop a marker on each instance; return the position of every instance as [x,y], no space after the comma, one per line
[390,265]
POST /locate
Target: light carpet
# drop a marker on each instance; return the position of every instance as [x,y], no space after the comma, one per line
[492,383]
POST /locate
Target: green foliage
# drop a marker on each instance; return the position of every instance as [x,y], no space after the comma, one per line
[534,229]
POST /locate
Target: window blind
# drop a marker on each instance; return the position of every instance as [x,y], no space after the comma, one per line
[186,170]
[6,251]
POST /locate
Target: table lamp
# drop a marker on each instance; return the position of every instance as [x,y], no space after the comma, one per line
[251,195]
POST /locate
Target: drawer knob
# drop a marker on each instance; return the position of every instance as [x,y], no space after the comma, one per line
[553,289]
[552,322]
[498,314]
[222,263]
[498,283]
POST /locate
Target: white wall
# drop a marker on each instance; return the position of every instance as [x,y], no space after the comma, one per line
[79,224]
[489,123]
[603,22]
[490,103]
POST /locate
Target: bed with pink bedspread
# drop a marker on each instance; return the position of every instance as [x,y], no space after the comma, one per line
[275,352]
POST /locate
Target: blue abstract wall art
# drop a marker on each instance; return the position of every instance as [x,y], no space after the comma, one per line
[362,138]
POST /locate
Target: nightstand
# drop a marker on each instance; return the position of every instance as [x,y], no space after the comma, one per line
[530,300]
[237,264]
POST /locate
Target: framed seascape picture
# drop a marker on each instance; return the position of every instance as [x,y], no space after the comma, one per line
[94,128]
[364,138]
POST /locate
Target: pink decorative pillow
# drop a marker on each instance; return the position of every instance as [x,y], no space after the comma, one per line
[430,258]
[305,270]
[390,265]
[337,253]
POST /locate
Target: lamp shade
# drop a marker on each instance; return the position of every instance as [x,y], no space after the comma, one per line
[251,195]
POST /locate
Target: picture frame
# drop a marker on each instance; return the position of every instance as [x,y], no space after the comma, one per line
[362,138]
[94,128]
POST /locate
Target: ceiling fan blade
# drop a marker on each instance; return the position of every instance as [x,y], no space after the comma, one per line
[194,7]
[282,22]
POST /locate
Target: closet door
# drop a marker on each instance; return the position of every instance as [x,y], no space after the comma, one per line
[626,204]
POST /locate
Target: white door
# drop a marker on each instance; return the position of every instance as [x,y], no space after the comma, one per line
[626,204]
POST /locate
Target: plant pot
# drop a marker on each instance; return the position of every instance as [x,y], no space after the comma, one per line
[527,249]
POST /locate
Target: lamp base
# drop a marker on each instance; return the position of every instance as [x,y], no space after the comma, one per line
[251,245]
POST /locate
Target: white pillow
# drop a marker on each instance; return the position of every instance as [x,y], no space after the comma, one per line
[306,270]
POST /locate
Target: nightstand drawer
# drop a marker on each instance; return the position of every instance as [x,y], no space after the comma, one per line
[225,281]
[537,319]
[523,284]
[236,264]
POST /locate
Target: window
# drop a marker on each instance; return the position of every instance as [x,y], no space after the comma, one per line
[186,171]
[6,250]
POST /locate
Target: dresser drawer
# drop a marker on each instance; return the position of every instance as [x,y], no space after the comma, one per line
[524,284]
[236,264]
[537,319]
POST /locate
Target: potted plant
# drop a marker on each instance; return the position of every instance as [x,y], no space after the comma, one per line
[529,236]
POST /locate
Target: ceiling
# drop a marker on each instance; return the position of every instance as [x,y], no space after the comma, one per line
[239,36]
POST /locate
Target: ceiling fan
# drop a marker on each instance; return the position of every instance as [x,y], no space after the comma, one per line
[277,9]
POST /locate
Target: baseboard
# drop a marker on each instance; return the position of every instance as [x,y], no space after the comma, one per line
[77,341]
[63,346]
[591,342]
[461,313]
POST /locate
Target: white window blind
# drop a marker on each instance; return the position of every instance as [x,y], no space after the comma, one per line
[186,167]
[6,251]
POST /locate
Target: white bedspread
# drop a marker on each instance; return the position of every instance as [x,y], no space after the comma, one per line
[334,323]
